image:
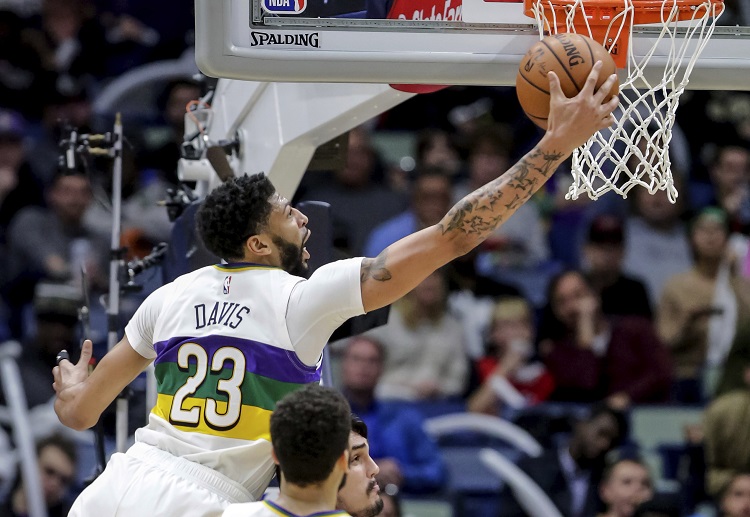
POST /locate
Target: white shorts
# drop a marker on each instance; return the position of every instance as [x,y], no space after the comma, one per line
[146,481]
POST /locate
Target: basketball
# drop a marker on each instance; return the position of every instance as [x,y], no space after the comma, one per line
[571,56]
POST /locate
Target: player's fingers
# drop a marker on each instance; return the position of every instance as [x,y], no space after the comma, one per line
[605,88]
[611,104]
[592,78]
[555,91]
[86,353]
[57,378]
[62,356]
[607,121]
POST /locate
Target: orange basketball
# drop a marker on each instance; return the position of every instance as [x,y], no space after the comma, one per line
[571,56]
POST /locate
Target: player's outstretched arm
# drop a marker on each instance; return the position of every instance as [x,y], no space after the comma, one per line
[83,396]
[404,264]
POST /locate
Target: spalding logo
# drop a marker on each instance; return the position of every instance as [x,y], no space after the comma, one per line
[574,56]
[284,6]
[260,39]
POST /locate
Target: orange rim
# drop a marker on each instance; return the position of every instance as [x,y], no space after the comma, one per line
[604,19]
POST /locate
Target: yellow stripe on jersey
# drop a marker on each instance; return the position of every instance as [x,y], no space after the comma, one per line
[254,423]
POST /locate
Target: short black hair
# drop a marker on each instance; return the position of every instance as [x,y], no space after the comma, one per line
[233,212]
[309,431]
[359,426]
[620,418]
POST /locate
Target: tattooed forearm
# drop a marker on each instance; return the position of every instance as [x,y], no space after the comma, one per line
[375,268]
[479,213]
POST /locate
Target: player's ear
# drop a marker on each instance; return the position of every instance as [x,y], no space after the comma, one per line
[259,244]
[343,461]
[273,456]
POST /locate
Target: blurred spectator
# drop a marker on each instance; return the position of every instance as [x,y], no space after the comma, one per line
[656,241]
[57,460]
[163,143]
[141,31]
[21,81]
[570,474]
[407,457]
[70,42]
[436,149]
[358,202]
[603,251]
[625,485]
[425,354]
[735,498]
[727,437]
[521,241]
[730,175]
[617,358]
[471,299]
[55,318]
[144,222]
[704,310]
[507,372]
[62,110]
[430,201]
[54,244]
[18,186]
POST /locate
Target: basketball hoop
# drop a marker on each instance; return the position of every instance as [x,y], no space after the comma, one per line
[635,150]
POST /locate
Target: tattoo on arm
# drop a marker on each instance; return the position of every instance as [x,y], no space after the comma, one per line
[477,214]
[375,268]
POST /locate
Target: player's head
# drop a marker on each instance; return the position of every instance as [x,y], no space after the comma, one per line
[360,494]
[245,219]
[310,435]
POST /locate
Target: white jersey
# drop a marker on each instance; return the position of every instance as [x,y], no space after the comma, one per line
[270,509]
[228,342]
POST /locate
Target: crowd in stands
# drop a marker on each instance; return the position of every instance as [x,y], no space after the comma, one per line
[569,319]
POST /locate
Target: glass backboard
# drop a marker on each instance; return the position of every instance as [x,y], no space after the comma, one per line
[458,42]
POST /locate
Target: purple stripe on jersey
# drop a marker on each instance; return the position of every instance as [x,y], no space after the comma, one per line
[262,359]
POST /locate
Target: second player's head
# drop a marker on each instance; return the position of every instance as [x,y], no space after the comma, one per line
[310,435]
[360,494]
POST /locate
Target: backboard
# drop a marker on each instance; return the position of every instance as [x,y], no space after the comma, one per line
[469,42]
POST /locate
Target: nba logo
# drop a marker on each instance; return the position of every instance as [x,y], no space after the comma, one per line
[227,281]
[284,6]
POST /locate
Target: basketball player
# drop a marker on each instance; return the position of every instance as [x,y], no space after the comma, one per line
[360,495]
[230,340]
[310,438]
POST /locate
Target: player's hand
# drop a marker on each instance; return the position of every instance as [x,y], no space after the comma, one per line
[572,121]
[67,374]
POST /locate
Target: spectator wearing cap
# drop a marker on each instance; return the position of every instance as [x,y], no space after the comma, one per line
[603,253]
[704,312]
[55,311]
[595,357]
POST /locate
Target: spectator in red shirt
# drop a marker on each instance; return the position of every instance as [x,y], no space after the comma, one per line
[507,371]
[596,357]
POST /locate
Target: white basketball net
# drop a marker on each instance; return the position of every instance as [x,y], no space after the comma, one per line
[635,150]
